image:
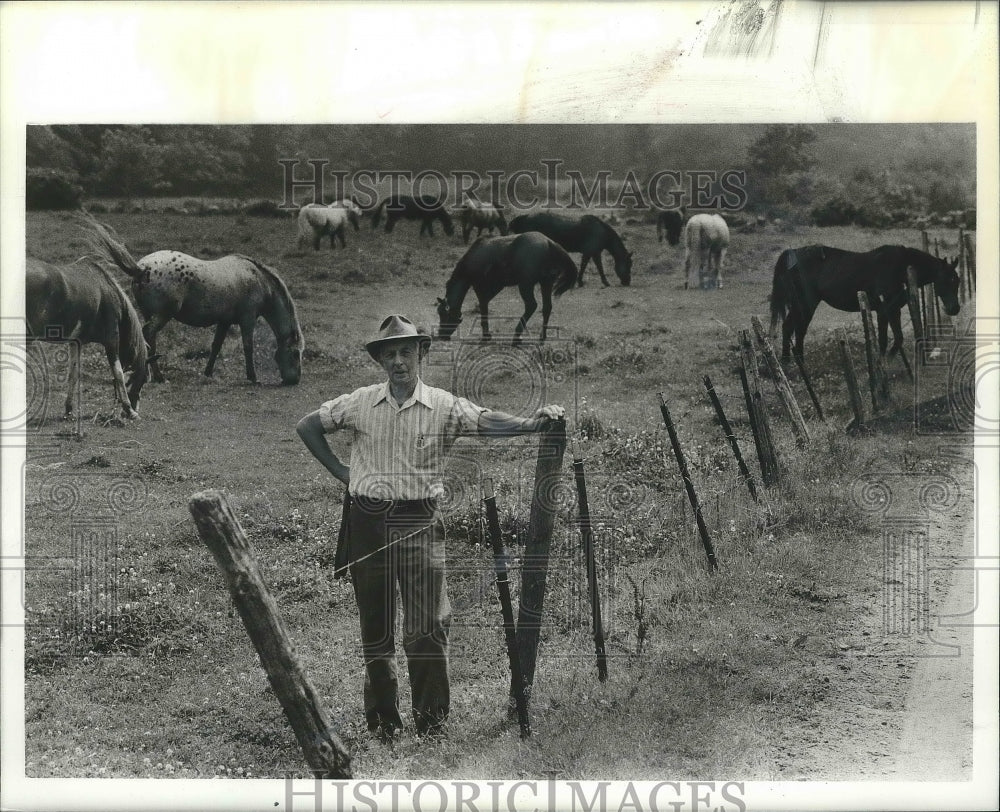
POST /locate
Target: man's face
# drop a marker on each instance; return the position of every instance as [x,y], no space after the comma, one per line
[400,361]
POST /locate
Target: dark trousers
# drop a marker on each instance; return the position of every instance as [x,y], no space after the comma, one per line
[390,544]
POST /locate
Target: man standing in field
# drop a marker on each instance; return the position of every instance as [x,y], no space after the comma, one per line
[402,431]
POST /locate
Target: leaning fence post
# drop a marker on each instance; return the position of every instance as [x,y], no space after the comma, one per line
[221,532]
[733,442]
[809,387]
[970,260]
[688,485]
[781,384]
[535,564]
[962,285]
[854,395]
[757,412]
[925,243]
[587,534]
[878,382]
[518,688]
[912,291]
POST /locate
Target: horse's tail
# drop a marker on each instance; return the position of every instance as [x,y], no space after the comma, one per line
[567,268]
[377,214]
[779,290]
[109,247]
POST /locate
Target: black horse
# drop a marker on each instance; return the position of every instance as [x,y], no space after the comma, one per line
[494,263]
[589,235]
[669,223]
[804,277]
[425,208]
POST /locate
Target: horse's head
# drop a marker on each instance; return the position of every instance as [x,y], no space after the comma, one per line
[138,377]
[288,356]
[946,285]
[446,223]
[450,319]
[623,268]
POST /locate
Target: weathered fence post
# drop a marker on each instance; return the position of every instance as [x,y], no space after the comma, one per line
[970,261]
[878,381]
[854,395]
[756,410]
[962,284]
[535,564]
[518,687]
[809,387]
[221,532]
[733,442]
[587,534]
[781,384]
[925,243]
[912,301]
[688,485]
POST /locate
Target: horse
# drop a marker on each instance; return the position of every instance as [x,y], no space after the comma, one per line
[200,293]
[669,223]
[317,221]
[804,277]
[83,304]
[476,215]
[353,210]
[706,239]
[426,209]
[589,235]
[494,263]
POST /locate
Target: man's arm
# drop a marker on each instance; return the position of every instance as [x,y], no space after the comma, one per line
[501,424]
[310,429]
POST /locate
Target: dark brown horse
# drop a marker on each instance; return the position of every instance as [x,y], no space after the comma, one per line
[201,293]
[494,263]
[804,277]
[83,304]
[669,224]
[589,235]
[425,208]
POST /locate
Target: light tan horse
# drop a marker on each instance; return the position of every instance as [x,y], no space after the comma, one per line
[706,240]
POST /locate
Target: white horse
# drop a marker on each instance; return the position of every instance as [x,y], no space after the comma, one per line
[317,221]
[706,239]
[353,211]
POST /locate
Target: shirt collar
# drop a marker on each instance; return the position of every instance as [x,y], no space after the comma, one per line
[419,395]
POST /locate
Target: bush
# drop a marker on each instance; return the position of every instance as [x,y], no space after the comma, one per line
[835,212]
[264,208]
[48,189]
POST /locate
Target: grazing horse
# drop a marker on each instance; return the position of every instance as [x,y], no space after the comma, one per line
[804,277]
[706,240]
[83,304]
[201,293]
[494,263]
[352,208]
[426,209]
[589,235]
[317,221]
[669,223]
[476,215]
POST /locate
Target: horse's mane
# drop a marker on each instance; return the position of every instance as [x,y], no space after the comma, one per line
[297,340]
[132,343]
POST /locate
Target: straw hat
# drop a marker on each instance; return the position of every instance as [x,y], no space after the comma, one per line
[396,328]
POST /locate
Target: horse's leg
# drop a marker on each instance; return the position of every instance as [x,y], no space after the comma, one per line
[530,306]
[600,269]
[74,376]
[718,267]
[786,336]
[221,330]
[118,378]
[546,307]
[340,235]
[687,268]
[583,264]
[895,321]
[149,331]
[484,316]
[246,332]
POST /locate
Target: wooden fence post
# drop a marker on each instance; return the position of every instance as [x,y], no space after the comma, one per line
[535,564]
[878,381]
[221,532]
[962,285]
[925,243]
[757,412]
[854,395]
[781,384]
[733,442]
[970,260]
[913,303]
[688,485]
[587,536]
[809,387]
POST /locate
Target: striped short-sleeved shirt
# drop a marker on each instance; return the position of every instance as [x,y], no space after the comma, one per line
[398,452]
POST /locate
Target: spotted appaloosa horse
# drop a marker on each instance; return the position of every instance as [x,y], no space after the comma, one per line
[706,240]
[203,293]
[805,277]
[83,304]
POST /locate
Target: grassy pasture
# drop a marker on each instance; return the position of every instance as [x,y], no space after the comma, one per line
[749,673]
